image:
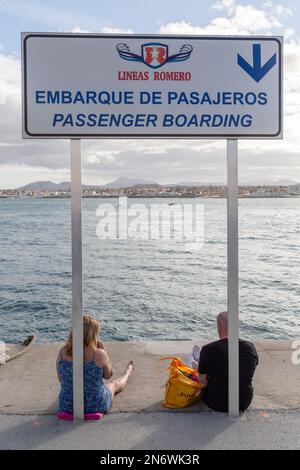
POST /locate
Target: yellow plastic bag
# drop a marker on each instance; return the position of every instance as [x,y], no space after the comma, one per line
[181,391]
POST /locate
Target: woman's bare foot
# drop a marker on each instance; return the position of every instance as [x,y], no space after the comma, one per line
[130,368]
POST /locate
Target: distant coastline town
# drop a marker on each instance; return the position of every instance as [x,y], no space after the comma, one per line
[146,189]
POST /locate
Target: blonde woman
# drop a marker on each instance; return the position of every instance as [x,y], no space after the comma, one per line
[98,396]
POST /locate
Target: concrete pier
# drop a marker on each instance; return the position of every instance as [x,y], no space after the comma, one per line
[29,390]
[29,384]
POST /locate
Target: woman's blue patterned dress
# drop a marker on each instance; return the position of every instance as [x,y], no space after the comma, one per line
[97,397]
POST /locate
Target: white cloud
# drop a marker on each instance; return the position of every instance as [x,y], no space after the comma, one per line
[224,5]
[106,30]
[10,78]
[78,29]
[239,19]
[278,10]
[111,30]
[230,6]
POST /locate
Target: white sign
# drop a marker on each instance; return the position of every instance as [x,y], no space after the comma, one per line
[91,85]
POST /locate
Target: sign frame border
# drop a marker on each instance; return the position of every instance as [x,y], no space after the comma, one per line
[26,134]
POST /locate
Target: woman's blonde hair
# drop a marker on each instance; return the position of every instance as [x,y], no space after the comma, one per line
[91,330]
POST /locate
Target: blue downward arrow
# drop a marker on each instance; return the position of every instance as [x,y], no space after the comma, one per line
[257,71]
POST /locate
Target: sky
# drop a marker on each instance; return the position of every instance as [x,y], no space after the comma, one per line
[165,161]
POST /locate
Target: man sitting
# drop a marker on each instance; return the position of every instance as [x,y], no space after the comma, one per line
[213,364]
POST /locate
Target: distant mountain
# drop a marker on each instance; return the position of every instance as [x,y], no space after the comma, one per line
[65,185]
[127,183]
[253,183]
[266,182]
[40,186]
[196,183]
[130,182]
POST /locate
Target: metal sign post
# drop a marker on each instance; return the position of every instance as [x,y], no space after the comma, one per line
[77,303]
[233,275]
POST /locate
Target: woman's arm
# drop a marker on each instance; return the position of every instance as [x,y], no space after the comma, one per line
[100,345]
[103,361]
[57,365]
[108,369]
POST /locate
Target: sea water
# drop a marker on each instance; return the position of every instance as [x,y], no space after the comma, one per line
[148,289]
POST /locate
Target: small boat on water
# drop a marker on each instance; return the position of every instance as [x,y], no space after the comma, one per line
[13,351]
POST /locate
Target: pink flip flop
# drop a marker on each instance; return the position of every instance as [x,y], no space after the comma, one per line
[87,416]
